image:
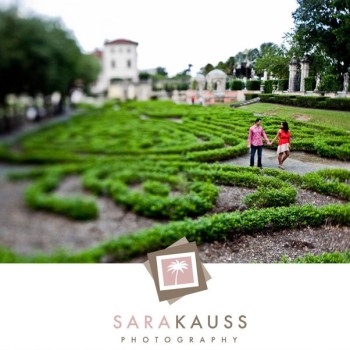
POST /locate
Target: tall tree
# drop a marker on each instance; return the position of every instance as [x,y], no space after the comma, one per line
[274,59]
[253,54]
[39,56]
[222,66]
[322,28]
[161,71]
[265,48]
[207,68]
[230,64]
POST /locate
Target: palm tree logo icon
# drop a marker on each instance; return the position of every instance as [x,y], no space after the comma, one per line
[177,266]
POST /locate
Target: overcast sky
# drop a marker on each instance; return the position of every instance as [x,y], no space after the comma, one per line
[172,34]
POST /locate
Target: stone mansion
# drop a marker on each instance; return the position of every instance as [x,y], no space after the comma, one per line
[119,75]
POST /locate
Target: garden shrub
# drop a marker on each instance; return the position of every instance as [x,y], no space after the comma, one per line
[250,96]
[38,196]
[265,197]
[156,187]
[325,258]
[310,83]
[253,85]
[330,83]
[283,84]
[237,85]
[268,86]
[318,102]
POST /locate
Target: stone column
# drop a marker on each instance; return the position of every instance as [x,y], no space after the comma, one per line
[200,79]
[305,65]
[346,82]
[293,71]
[265,75]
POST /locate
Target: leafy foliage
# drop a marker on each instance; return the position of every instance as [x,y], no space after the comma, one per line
[40,56]
[273,59]
[322,27]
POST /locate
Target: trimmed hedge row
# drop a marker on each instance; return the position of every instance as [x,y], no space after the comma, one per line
[205,229]
[318,102]
[192,199]
[201,198]
[79,208]
[265,198]
[218,154]
[121,133]
[325,258]
[147,190]
[237,85]
[253,85]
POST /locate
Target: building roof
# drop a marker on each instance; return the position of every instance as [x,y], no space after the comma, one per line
[199,77]
[120,42]
[216,73]
[98,53]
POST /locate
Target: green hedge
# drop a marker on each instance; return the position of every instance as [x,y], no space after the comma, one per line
[38,196]
[237,85]
[268,86]
[310,83]
[265,198]
[205,229]
[253,85]
[318,102]
[330,83]
[325,258]
[283,84]
[251,96]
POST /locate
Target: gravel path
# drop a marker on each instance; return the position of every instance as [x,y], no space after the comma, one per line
[298,162]
[30,127]
[28,231]
[270,248]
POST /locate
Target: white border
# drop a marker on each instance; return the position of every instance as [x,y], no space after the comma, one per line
[73,307]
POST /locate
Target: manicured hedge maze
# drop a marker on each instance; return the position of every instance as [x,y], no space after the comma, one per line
[160,160]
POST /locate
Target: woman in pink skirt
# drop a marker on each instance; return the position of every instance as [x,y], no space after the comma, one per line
[284,145]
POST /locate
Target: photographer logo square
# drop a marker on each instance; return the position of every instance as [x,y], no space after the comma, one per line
[177,271]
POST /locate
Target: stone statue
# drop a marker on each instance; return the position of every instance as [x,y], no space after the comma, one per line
[252,74]
[201,85]
[346,82]
[318,81]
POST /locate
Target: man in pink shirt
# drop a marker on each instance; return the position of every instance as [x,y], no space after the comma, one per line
[255,141]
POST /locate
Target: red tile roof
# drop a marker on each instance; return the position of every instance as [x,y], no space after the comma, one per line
[98,53]
[120,41]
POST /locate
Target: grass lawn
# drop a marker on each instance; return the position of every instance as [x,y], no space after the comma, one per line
[337,119]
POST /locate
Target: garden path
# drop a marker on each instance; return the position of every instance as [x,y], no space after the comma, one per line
[298,162]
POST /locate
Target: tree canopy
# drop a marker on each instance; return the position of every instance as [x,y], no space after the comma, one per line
[274,59]
[322,28]
[40,56]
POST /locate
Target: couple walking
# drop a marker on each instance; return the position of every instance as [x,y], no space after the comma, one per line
[255,142]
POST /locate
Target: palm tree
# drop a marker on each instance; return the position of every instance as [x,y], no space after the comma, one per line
[177,266]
